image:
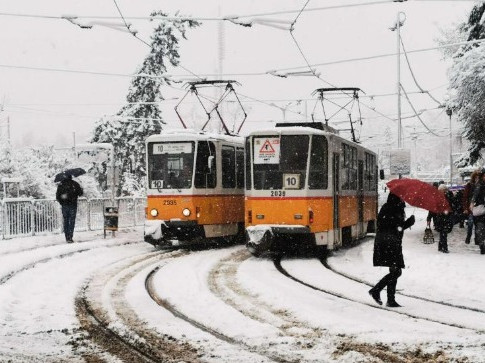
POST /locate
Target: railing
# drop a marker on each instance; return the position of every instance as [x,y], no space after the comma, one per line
[28,217]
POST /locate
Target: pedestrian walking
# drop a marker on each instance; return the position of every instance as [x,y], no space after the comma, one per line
[467,199]
[391,223]
[67,193]
[443,222]
[479,220]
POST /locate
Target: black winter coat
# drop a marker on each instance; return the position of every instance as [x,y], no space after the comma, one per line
[68,191]
[443,222]
[391,224]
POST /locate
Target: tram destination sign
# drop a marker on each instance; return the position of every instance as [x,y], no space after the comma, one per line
[266,150]
[172,148]
[400,160]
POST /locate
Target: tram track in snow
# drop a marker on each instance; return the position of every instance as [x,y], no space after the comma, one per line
[124,335]
[356,279]
[283,271]
[149,285]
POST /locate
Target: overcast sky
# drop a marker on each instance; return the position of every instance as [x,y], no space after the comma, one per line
[46,107]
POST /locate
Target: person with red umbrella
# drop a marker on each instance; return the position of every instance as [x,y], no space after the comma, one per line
[391,223]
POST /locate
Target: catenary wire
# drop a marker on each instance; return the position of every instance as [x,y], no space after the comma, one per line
[413,76]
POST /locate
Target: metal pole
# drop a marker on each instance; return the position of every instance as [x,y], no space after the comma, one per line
[114,177]
[449,113]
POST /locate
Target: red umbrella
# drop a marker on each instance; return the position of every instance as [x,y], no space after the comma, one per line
[419,194]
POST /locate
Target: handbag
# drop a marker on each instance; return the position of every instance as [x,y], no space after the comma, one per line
[428,237]
[478,210]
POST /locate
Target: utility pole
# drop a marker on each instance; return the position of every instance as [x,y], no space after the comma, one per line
[398,34]
[449,112]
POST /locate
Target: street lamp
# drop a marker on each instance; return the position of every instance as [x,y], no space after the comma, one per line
[449,112]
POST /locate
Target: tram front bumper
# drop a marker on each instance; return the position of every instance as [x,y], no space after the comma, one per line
[263,237]
[167,232]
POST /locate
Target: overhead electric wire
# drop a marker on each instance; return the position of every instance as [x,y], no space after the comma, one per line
[217,18]
[233,74]
[379,55]
[414,77]
[417,115]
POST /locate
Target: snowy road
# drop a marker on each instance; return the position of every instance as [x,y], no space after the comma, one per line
[120,300]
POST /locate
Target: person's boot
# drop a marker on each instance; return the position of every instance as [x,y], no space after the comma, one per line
[376,295]
[467,240]
[392,304]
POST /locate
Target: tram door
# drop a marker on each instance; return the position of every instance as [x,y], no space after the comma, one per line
[336,193]
[360,196]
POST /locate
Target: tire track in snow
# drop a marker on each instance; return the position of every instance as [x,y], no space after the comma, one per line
[32,265]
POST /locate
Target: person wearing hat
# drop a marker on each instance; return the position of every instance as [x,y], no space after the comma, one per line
[479,220]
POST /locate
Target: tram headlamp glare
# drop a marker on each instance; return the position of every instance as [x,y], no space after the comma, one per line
[154,212]
[186,212]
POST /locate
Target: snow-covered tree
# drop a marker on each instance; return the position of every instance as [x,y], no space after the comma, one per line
[467,84]
[141,116]
[36,169]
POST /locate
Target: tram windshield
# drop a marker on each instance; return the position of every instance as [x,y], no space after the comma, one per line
[280,162]
[170,165]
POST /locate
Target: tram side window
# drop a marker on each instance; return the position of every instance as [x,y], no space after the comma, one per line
[228,167]
[349,169]
[248,164]
[205,167]
[318,176]
[370,172]
[240,168]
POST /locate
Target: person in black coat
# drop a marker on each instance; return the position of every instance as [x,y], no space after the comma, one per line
[67,193]
[479,220]
[443,222]
[391,224]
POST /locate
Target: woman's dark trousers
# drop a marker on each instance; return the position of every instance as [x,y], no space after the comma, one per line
[390,280]
[69,217]
[443,242]
[480,233]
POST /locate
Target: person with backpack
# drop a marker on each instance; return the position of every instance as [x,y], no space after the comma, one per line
[67,193]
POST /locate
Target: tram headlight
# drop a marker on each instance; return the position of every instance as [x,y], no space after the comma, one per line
[154,212]
[186,212]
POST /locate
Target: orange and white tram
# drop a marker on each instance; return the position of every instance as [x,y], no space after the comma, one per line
[195,187]
[305,185]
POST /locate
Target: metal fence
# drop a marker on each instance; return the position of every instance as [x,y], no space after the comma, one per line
[28,217]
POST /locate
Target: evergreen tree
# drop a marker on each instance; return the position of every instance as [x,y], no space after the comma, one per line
[141,116]
[467,84]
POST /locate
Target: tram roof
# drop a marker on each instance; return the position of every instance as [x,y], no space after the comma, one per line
[191,134]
